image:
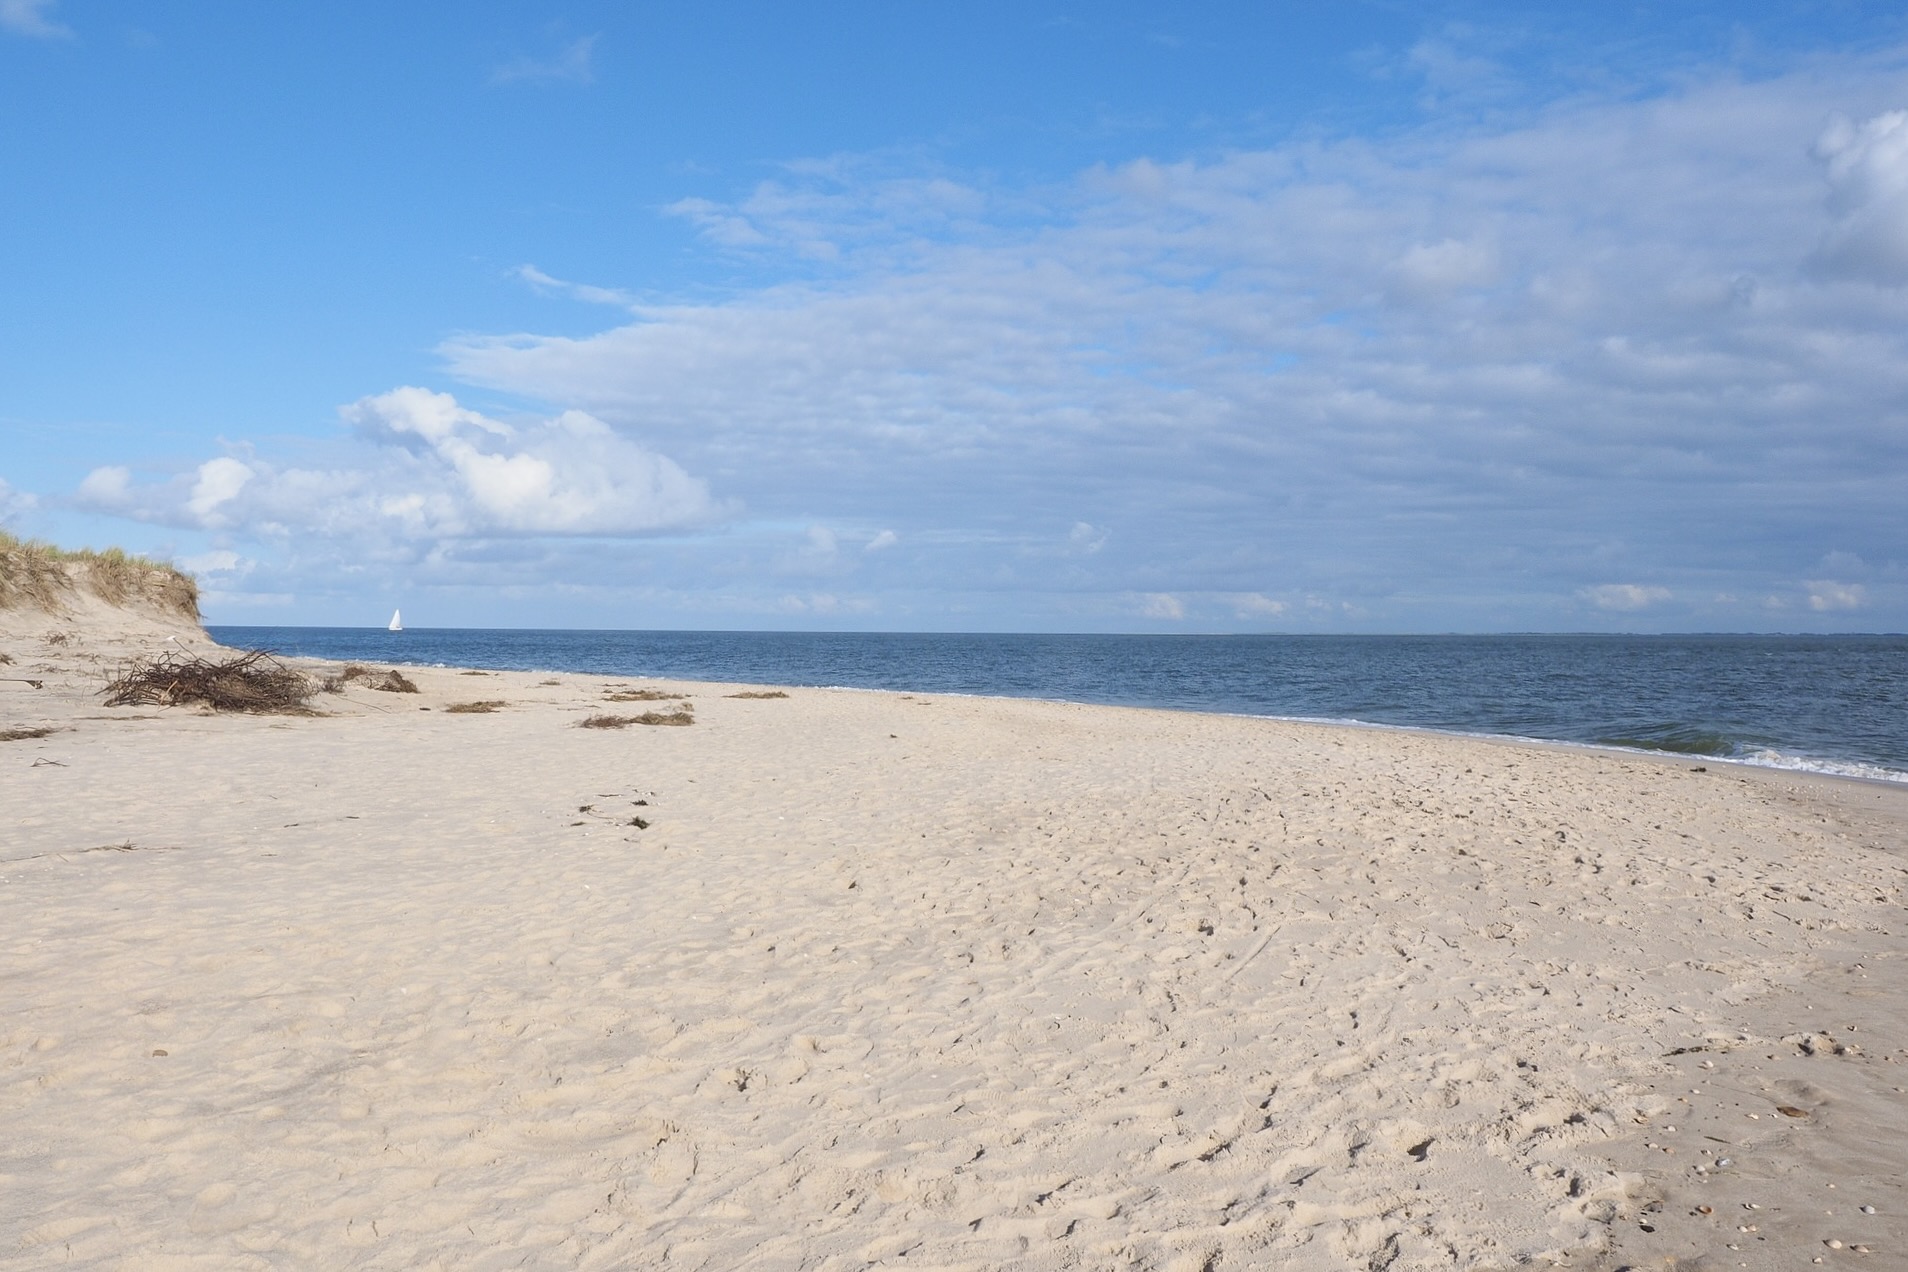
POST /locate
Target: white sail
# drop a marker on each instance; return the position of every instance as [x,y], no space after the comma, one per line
[397,623]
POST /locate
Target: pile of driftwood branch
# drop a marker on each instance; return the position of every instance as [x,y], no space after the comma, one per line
[254,681]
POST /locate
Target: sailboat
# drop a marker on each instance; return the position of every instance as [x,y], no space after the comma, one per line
[397,624]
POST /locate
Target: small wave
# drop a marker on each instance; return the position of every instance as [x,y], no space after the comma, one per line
[1677,742]
[1830,768]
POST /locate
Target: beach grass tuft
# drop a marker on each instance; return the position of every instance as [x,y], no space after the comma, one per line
[757,693]
[22,735]
[485,707]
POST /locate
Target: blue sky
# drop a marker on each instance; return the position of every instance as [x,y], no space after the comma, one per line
[1031,316]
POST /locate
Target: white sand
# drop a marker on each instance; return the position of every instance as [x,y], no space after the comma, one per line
[914,982]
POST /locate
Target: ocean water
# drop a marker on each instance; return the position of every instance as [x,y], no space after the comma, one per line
[1832,704]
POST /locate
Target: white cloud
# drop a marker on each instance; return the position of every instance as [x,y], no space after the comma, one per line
[568,475]
[573,63]
[1624,596]
[1867,169]
[885,539]
[31,17]
[13,503]
[545,285]
[1256,605]
[108,488]
[1086,538]
[1163,605]
[219,482]
[717,223]
[1826,595]
[837,209]
[216,561]
[434,470]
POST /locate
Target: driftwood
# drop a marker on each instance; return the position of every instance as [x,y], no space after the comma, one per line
[254,682]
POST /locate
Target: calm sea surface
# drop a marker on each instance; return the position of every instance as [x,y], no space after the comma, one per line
[1835,704]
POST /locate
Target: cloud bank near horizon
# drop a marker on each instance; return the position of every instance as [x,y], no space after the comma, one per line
[1624,360]
[431,470]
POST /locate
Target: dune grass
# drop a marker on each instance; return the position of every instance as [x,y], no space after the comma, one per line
[485,707]
[39,575]
[757,693]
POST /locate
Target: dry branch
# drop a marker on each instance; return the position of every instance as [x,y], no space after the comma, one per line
[253,682]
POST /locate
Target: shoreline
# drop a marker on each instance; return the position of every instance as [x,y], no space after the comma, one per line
[893,978]
[1798,761]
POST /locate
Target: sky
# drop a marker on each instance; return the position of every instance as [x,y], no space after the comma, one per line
[1041,316]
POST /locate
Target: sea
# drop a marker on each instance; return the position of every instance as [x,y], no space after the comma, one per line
[1827,704]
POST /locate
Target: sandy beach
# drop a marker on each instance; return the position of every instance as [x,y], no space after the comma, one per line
[852,980]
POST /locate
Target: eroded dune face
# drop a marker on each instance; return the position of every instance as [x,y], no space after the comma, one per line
[70,613]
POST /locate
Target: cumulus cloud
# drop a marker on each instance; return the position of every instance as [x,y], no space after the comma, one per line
[1624,596]
[217,483]
[107,488]
[885,539]
[1162,605]
[32,17]
[1826,595]
[432,469]
[1867,169]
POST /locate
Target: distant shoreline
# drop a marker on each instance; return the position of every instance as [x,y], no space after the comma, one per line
[1836,707]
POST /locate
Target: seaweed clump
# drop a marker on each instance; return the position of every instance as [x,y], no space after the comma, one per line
[253,682]
[678,718]
[385,682]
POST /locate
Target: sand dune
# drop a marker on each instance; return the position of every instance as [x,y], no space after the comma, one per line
[920,982]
